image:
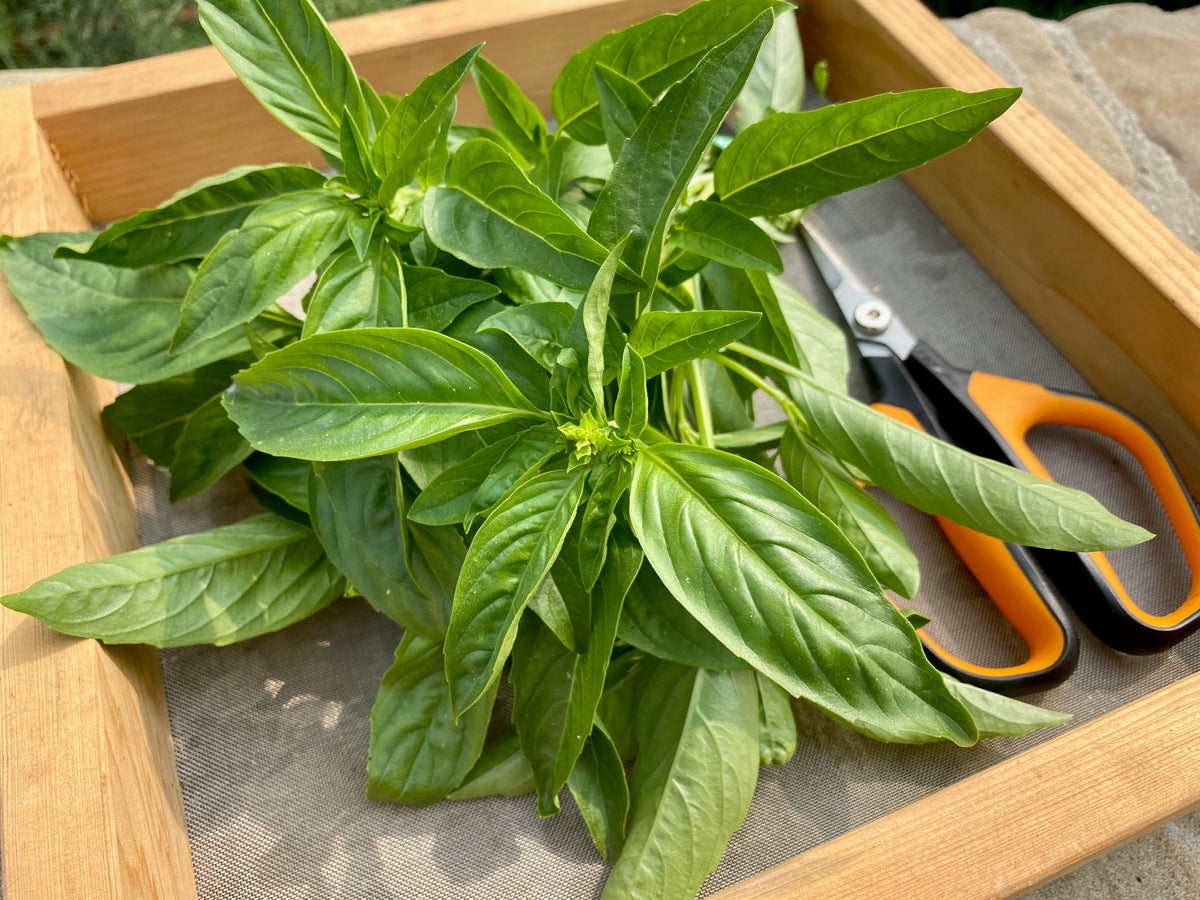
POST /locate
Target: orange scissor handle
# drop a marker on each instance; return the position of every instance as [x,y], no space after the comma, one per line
[1014,407]
[1018,588]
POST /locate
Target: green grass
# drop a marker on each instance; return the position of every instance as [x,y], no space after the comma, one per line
[52,33]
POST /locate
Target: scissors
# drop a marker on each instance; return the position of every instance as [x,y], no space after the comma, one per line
[990,415]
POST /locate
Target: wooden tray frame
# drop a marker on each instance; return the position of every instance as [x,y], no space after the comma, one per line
[89,799]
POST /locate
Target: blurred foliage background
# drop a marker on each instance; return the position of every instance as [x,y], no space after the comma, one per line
[53,33]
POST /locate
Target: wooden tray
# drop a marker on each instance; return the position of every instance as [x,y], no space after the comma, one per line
[89,799]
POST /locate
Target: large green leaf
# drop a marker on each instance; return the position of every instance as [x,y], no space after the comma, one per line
[859,516]
[692,782]
[189,225]
[654,621]
[502,770]
[601,792]
[531,380]
[285,55]
[367,391]
[515,116]
[658,159]
[507,560]
[115,323]
[555,690]
[419,751]
[436,298]
[776,83]
[356,511]
[218,587]
[776,723]
[415,125]
[492,216]
[358,292]
[540,328]
[653,54]
[446,498]
[180,423]
[285,478]
[622,105]
[792,160]
[940,479]
[781,587]
[719,233]
[999,716]
[279,244]
[667,339]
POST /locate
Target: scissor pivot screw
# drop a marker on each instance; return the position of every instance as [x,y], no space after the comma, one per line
[873,316]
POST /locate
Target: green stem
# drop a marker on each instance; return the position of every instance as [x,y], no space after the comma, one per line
[700,406]
[790,409]
[768,360]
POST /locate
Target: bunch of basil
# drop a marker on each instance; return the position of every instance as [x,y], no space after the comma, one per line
[516,417]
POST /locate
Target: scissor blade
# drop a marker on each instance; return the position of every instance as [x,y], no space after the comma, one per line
[870,318]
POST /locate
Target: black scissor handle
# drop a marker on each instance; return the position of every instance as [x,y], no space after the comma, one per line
[990,415]
[1007,572]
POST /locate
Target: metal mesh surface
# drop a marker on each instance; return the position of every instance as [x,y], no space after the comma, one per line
[271,734]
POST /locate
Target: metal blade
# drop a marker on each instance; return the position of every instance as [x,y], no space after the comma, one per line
[870,317]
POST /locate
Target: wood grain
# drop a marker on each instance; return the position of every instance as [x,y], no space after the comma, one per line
[133,134]
[1020,822]
[1113,288]
[91,805]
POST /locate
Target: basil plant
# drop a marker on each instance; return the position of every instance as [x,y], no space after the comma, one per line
[515,417]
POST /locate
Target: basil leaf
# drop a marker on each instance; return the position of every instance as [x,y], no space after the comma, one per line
[776,83]
[419,751]
[623,104]
[556,690]
[218,587]
[189,225]
[792,160]
[180,423]
[360,175]
[368,391]
[593,316]
[940,479]
[501,770]
[653,54]
[507,560]
[288,59]
[609,485]
[654,621]
[446,499]
[601,792]
[356,512]
[999,716]
[524,455]
[284,477]
[492,216]
[659,158]
[529,378]
[718,233]
[692,782]
[631,409]
[436,298]
[414,127]
[781,587]
[776,723]
[668,339]
[539,328]
[358,292]
[819,344]
[526,289]
[513,114]
[116,323]
[855,512]
[550,606]
[280,243]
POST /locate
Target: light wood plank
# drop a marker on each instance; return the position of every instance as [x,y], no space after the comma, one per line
[133,134]
[1019,823]
[1113,288]
[91,804]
